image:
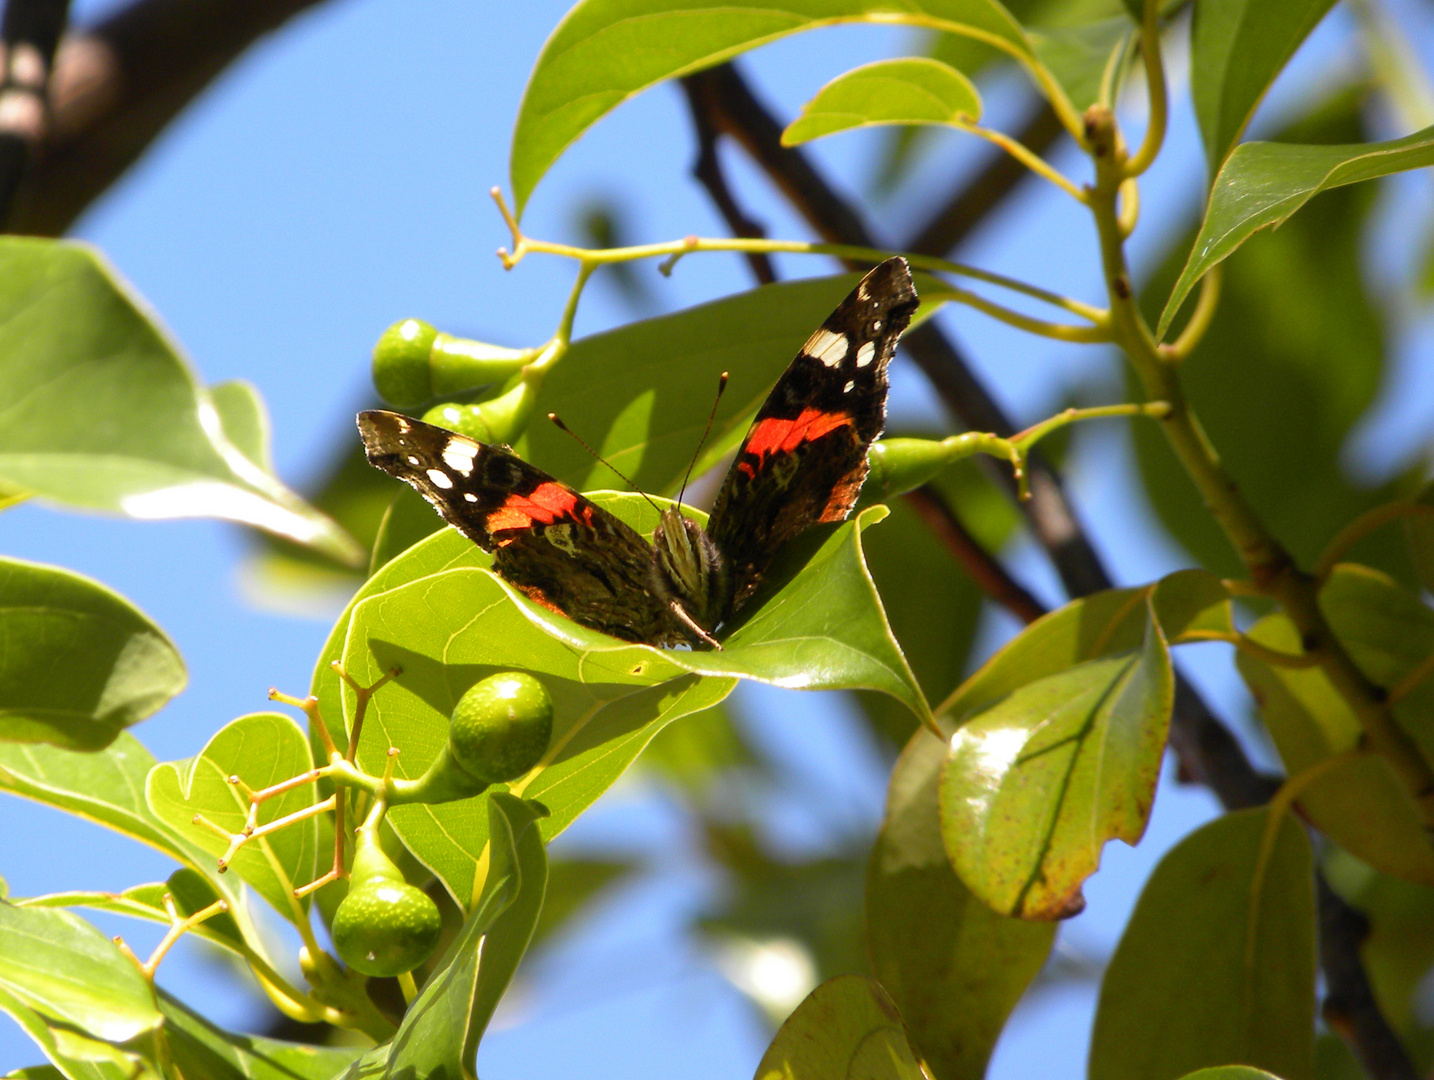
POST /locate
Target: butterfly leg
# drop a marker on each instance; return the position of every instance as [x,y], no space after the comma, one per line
[691,624]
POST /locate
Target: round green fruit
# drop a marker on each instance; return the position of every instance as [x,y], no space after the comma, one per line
[385,927]
[500,728]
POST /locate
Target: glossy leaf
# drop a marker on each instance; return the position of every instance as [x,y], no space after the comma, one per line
[1036,783]
[1361,804]
[441,1030]
[1237,47]
[80,663]
[953,966]
[1389,633]
[447,622]
[1263,183]
[200,1049]
[606,51]
[846,1029]
[103,414]
[261,749]
[1217,963]
[66,970]
[914,90]
[106,787]
[75,1055]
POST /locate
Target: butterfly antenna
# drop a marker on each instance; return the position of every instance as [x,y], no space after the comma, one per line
[721,386]
[625,479]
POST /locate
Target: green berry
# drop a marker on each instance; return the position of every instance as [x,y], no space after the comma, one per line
[501,726]
[464,419]
[384,926]
[400,363]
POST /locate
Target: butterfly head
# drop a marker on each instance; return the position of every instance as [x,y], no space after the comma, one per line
[688,569]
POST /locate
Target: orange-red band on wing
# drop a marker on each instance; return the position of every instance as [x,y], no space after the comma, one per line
[544,505]
[773,435]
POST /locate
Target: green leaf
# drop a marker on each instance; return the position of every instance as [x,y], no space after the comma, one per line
[1231,1072]
[66,970]
[915,90]
[1360,804]
[261,749]
[1078,56]
[1217,963]
[1190,605]
[200,1049]
[103,414]
[442,1029]
[953,966]
[1419,534]
[1264,183]
[606,51]
[445,620]
[846,1027]
[244,420]
[80,663]
[1237,47]
[81,1057]
[106,787]
[1036,783]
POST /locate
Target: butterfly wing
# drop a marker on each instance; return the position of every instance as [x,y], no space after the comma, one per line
[804,459]
[559,548]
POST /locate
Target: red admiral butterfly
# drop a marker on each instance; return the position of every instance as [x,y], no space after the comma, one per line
[802,463]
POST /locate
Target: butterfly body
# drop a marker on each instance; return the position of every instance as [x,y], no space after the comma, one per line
[802,463]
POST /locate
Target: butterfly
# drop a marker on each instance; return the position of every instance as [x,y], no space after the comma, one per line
[802,463]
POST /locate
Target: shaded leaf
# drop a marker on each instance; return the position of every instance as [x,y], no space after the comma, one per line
[1078,56]
[1419,532]
[1192,603]
[1237,47]
[80,663]
[606,51]
[66,970]
[846,1029]
[1217,963]
[261,749]
[82,1058]
[1035,784]
[103,414]
[953,966]
[914,90]
[1263,183]
[1361,804]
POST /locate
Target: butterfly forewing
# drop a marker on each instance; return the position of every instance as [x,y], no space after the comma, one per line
[804,458]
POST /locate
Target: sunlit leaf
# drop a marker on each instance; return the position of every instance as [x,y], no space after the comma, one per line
[606,51]
[1036,783]
[914,90]
[76,1056]
[1217,963]
[80,662]
[1192,604]
[63,968]
[953,966]
[1237,47]
[261,749]
[1263,183]
[846,1028]
[199,1048]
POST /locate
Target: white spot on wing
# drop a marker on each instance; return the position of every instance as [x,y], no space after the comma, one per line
[413,459]
[459,456]
[865,354]
[470,496]
[440,478]
[847,388]
[828,347]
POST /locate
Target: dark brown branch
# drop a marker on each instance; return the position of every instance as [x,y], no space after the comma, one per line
[1349,1005]
[708,171]
[984,569]
[28,36]
[118,84]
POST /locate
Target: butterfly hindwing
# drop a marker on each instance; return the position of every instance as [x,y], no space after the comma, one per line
[803,460]
[559,548]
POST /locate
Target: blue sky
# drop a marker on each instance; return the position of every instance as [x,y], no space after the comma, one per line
[336,180]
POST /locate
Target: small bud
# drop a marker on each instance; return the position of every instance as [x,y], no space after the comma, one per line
[413,362]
